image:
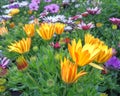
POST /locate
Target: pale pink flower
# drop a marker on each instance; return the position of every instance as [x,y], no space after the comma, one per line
[55,45]
[114,51]
[4,62]
[115,21]
[75,17]
[84,26]
[84,14]
[94,11]
[43,14]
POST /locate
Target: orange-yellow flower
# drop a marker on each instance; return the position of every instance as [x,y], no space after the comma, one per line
[3,22]
[30,12]
[46,31]
[14,12]
[3,30]
[12,25]
[29,29]
[99,24]
[21,63]
[69,71]
[92,40]
[82,55]
[104,54]
[59,28]
[21,46]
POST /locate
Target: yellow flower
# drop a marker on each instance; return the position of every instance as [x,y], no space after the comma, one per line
[20,24]
[35,48]
[59,28]
[103,94]
[114,27]
[58,56]
[14,12]
[29,29]
[21,63]
[104,54]
[33,58]
[74,48]
[69,71]
[82,55]
[99,24]
[21,46]
[92,40]
[2,88]
[2,81]
[3,31]
[46,31]
[3,22]
[30,12]
[12,25]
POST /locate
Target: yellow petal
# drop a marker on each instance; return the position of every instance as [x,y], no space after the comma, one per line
[96,66]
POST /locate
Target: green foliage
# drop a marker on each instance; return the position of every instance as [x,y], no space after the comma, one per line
[42,77]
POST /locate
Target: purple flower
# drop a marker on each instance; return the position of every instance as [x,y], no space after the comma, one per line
[52,8]
[33,6]
[113,63]
[115,21]
[6,17]
[43,14]
[84,26]
[14,6]
[32,18]
[11,1]
[36,1]
[47,0]
[4,62]
[94,11]
[55,45]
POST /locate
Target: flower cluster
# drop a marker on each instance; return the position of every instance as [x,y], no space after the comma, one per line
[52,8]
[47,30]
[93,50]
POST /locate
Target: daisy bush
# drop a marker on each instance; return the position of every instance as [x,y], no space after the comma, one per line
[59,48]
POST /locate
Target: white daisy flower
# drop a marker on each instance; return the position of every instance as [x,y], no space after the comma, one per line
[54,19]
[5,16]
[68,28]
[23,3]
[7,6]
[7,11]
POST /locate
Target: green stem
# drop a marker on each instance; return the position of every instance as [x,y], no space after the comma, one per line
[65,90]
[36,84]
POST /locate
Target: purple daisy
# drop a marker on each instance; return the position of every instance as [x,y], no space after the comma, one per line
[14,6]
[33,6]
[47,0]
[36,1]
[52,8]
[113,63]
[3,64]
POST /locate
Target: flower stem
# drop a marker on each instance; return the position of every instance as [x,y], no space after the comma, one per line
[36,84]
[65,90]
